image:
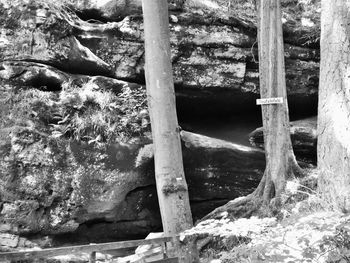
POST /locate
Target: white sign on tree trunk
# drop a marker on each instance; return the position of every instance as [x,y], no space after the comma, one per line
[278,100]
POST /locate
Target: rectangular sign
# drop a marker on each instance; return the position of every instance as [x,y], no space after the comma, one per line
[278,100]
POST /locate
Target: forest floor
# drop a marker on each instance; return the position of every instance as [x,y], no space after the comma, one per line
[305,233]
[300,237]
[314,237]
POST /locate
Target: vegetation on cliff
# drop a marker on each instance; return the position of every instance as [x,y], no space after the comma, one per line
[76,157]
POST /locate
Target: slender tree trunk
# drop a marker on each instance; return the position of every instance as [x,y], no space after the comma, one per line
[170,179]
[333,149]
[281,164]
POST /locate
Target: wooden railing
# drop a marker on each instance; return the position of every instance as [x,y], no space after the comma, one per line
[93,248]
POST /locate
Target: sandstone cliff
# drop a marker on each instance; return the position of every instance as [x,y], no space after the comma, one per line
[75,154]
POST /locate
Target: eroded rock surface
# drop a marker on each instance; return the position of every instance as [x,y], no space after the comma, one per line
[60,179]
[304,138]
[214,53]
[74,132]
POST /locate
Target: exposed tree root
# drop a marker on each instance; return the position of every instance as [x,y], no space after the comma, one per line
[266,200]
[240,207]
[281,165]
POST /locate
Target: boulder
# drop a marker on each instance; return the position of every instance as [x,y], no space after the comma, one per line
[115,197]
[304,138]
[218,169]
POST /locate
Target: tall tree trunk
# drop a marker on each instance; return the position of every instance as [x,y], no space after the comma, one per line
[281,164]
[333,149]
[170,179]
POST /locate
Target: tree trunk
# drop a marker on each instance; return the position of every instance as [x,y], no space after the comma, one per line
[333,151]
[281,164]
[170,179]
[304,140]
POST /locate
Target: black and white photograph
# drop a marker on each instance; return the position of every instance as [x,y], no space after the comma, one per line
[174,131]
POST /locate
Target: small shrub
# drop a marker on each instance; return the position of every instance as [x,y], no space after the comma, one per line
[82,113]
[95,116]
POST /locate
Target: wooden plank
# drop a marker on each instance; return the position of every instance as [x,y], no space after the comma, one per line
[167,260]
[92,258]
[52,252]
[136,257]
[122,252]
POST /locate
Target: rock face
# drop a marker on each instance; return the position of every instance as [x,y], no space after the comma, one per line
[214,54]
[51,185]
[304,138]
[75,154]
[218,168]
[111,10]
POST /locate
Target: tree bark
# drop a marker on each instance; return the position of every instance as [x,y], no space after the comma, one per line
[281,164]
[170,179]
[334,105]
